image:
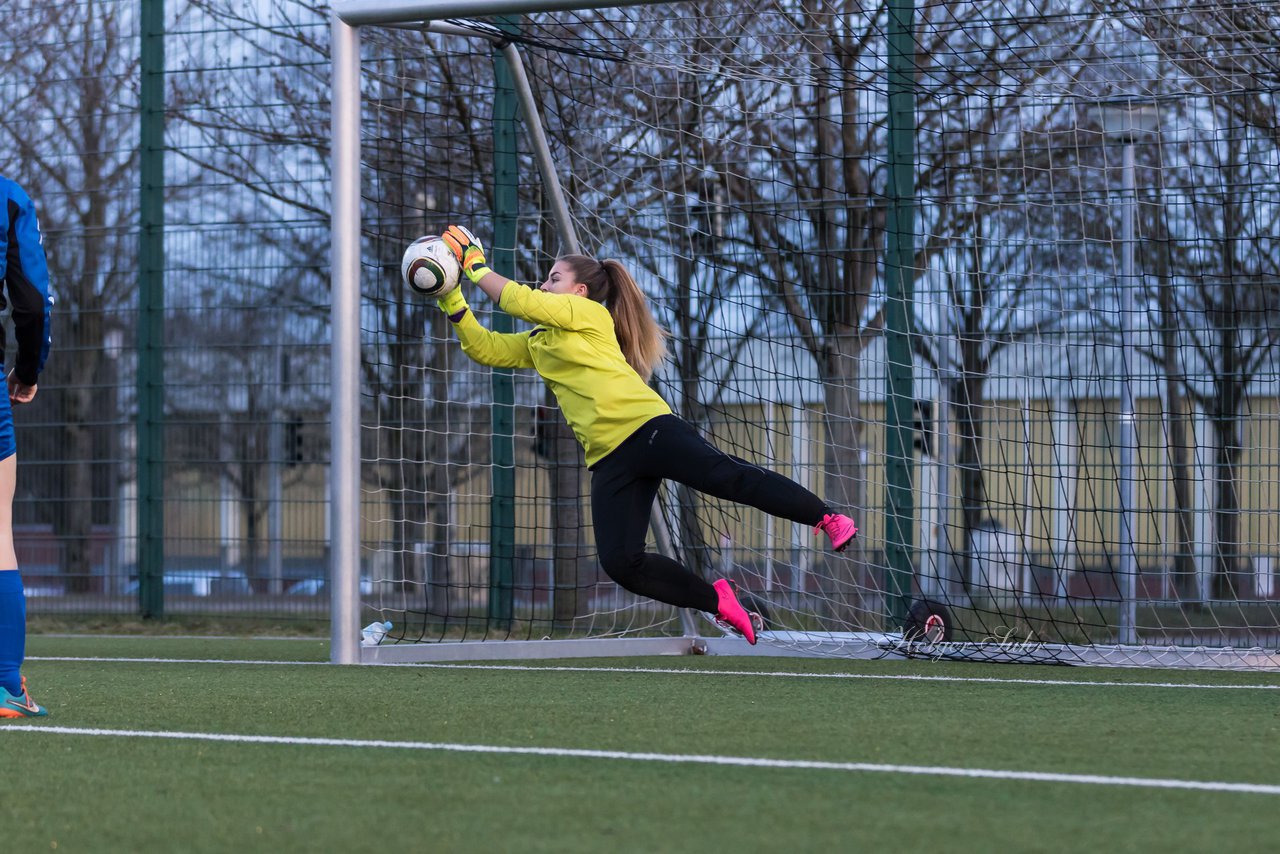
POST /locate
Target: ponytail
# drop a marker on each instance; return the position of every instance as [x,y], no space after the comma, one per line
[643,341]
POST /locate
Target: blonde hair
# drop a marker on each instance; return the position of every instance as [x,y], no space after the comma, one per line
[643,341]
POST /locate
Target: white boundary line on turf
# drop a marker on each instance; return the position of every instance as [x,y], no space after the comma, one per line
[675,758]
[892,677]
[78,636]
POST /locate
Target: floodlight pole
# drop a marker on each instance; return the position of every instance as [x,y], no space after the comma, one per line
[1125,122]
[1128,631]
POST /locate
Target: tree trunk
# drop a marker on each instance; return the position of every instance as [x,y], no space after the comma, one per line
[845,477]
[1184,564]
[573,566]
[1226,428]
[966,402]
[73,520]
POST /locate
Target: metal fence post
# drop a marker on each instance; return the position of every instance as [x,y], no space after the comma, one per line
[899,286]
[150,343]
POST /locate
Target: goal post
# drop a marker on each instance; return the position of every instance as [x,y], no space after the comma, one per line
[997,280]
[344,413]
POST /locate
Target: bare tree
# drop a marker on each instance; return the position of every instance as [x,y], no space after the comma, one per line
[277,153]
[661,162]
[753,181]
[70,137]
[1225,264]
[1212,223]
[825,258]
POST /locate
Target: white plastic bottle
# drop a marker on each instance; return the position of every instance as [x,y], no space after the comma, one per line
[373,633]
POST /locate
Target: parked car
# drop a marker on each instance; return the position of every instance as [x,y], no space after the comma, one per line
[36,590]
[201,582]
[318,586]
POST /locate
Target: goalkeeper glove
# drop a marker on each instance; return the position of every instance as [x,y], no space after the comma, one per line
[453,304]
[468,250]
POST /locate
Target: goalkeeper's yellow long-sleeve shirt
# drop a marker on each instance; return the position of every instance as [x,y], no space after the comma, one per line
[574,349]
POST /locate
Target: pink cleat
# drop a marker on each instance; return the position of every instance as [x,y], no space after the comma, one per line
[731,614]
[839,528]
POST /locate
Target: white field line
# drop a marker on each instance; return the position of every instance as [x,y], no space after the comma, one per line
[674,758]
[781,674]
[246,638]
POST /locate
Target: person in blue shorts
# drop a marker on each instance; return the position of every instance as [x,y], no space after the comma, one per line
[24,274]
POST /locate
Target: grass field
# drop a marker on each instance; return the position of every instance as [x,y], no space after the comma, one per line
[151,747]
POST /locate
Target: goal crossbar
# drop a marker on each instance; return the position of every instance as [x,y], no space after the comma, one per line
[357,13]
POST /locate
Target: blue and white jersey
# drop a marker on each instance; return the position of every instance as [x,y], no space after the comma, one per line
[25,276]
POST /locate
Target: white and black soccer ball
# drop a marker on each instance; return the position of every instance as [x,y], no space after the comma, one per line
[429,267]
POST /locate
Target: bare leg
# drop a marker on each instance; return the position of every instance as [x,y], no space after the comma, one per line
[8,482]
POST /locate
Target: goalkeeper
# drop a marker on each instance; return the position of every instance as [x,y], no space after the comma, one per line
[595,344]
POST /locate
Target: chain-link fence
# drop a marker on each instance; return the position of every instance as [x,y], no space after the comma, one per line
[1093,332]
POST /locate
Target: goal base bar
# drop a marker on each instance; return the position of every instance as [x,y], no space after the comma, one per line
[1179,657]
[845,645]
[405,653]
[884,645]
[851,646]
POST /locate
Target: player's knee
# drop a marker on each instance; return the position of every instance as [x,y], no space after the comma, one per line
[738,476]
[622,566]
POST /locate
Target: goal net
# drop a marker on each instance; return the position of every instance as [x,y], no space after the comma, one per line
[1092,319]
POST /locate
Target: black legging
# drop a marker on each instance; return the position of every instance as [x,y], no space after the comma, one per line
[625,483]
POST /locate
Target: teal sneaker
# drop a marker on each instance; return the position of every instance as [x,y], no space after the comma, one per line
[21,706]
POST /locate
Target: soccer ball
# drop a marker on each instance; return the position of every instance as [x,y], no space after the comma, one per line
[429,267]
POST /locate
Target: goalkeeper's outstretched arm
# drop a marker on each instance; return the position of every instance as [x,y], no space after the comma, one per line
[470,254]
[492,284]
[498,349]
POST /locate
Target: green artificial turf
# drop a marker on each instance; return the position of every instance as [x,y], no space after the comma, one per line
[111,793]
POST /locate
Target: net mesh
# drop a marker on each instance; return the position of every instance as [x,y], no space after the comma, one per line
[1092,330]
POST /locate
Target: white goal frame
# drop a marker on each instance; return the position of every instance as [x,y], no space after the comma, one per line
[348,17]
